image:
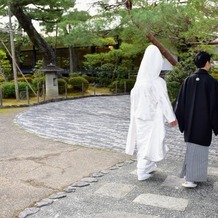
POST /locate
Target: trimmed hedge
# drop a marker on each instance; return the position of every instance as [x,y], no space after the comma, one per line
[61,86]
[8,89]
[123,85]
[38,83]
[78,83]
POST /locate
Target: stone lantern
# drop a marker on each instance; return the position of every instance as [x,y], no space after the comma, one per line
[51,80]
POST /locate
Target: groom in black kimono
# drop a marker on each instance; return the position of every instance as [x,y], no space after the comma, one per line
[197,114]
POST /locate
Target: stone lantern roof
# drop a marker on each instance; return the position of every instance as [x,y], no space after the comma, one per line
[51,68]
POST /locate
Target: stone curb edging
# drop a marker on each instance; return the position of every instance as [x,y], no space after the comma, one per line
[72,188]
[58,100]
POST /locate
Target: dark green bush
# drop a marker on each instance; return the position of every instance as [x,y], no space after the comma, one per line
[65,78]
[22,79]
[78,82]
[38,83]
[103,81]
[2,79]
[61,86]
[9,89]
[75,74]
[123,85]
[90,79]
[214,75]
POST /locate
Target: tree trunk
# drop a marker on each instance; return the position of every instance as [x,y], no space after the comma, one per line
[154,41]
[163,50]
[26,23]
[73,59]
[150,36]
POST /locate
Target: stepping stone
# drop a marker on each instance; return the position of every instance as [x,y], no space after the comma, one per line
[115,190]
[213,171]
[44,202]
[120,164]
[89,180]
[105,171]
[28,211]
[162,201]
[58,195]
[131,161]
[81,184]
[173,181]
[70,189]
[98,174]
[114,168]
[215,186]
[134,172]
[120,215]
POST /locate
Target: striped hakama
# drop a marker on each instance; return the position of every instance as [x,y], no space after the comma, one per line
[195,163]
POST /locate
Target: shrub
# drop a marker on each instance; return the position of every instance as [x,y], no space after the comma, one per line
[65,78]
[28,78]
[61,86]
[38,83]
[214,75]
[103,81]
[5,66]
[90,79]
[9,89]
[75,74]
[76,83]
[175,78]
[123,85]
[1,79]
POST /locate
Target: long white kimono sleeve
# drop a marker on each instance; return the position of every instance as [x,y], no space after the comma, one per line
[164,101]
[150,109]
[148,132]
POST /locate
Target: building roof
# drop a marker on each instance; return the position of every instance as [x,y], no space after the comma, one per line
[51,68]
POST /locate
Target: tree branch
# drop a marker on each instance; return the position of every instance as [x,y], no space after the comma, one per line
[26,23]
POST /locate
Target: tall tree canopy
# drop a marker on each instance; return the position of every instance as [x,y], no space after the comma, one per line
[48,13]
[177,25]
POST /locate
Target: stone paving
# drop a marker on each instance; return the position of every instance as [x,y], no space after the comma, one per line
[118,194]
[102,122]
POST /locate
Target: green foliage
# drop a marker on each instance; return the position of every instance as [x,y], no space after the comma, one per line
[65,78]
[2,79]
[192,23]
[176,77]
[110,66]
[214,75]
[214,71]
[75,74]
[37,69]
[103,81]
[61,86]
[27,77]
[5,66]
[123,85]
[90,79]
[74,29]
[37,84]
[9,89]
[47,12]
[38,77]
[79,84]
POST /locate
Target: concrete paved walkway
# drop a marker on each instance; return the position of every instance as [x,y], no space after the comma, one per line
[54,175]
[32,167]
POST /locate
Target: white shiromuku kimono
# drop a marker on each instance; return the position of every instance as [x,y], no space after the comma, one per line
[150,109]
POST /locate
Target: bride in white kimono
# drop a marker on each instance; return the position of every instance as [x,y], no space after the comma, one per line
[150,109]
